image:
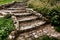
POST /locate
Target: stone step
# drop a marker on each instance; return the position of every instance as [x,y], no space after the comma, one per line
[26,18]
[20,4]
[21,14]
[31,25]
[21,8]
[12,11]
[28,23]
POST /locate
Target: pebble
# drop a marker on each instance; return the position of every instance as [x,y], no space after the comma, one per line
[36,36]
[52,27]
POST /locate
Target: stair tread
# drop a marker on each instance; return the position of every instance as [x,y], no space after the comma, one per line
[32,26]
[11,10]
[27,18]
[16,8]
[21,14]
[28,23]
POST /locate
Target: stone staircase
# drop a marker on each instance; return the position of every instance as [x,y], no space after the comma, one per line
[25,19]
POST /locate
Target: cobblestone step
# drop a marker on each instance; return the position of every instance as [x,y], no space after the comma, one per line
[31,25]
[26,18]
[20,8]
[21,14]
[19,5]
[12,11]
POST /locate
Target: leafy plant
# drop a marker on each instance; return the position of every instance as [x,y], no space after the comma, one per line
[6,26]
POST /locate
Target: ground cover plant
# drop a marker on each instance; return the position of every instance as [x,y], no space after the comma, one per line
[6,26]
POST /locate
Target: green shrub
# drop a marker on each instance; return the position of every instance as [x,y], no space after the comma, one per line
[6,26]
[51,2]
[54,16]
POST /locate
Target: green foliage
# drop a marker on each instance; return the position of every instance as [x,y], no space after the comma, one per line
[57,28]
[45,37]
[51,2]
[6,26]
[54,15]
[9,1]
